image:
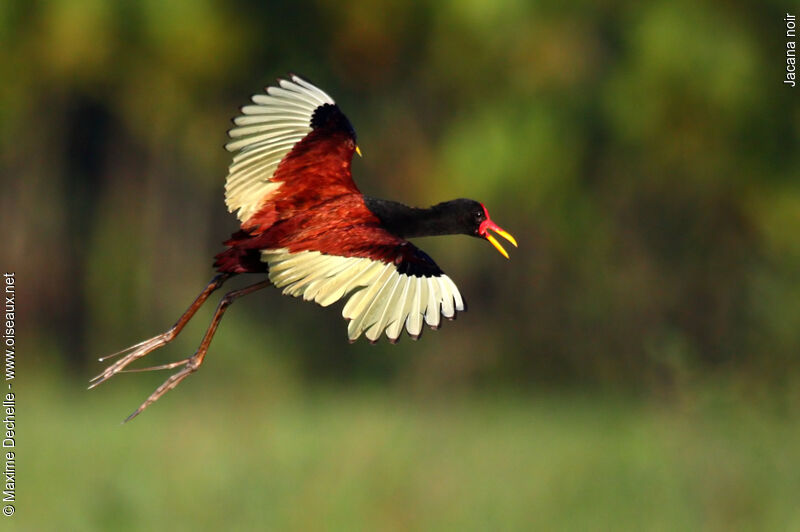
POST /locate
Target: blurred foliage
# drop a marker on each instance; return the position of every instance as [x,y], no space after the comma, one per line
[645,155]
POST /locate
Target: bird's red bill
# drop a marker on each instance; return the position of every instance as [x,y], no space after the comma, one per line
[488,225]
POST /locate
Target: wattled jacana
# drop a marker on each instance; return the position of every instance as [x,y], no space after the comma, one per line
[306,226]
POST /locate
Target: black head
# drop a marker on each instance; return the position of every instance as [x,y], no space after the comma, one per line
[469,217]
[328,117]
[463,216]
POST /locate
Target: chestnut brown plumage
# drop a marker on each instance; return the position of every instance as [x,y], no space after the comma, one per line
[305,224]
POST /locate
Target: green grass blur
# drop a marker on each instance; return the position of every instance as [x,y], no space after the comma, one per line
[266,456]
[633,366]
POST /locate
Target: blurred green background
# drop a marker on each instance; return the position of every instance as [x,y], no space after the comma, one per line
[633,366]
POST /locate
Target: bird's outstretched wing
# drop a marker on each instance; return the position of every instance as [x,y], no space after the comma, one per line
[264,134]
[386,296]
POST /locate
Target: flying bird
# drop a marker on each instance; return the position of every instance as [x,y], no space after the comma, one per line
[305,226]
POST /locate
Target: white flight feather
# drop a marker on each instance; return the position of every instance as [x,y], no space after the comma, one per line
[263,134]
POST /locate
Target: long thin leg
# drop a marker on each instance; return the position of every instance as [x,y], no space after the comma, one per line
[141,349]
[193,362]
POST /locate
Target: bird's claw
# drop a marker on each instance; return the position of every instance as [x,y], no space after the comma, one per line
[134,352]
[140,350]
[190,366]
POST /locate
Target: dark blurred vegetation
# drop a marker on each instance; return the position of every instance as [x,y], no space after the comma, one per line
[645,155]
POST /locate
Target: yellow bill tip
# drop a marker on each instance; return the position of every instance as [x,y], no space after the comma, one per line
[358,151]
[507,236]
[497,245]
